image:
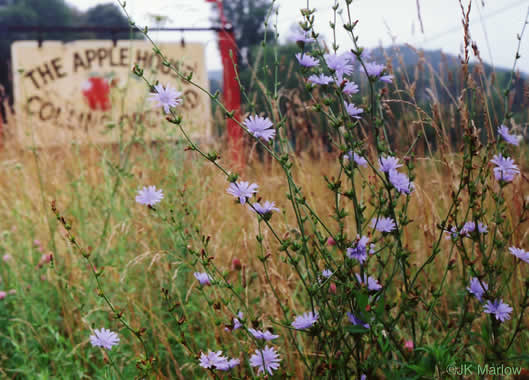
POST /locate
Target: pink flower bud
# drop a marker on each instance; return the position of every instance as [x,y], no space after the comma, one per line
[330,241]
[2,294]
[6,257]
[332,288]
[236,264]
[36,243]
[46,258]
[408,345]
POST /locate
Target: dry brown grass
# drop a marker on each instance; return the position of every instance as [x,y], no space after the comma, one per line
[78,176]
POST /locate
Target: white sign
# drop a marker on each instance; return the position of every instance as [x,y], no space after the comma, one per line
[85,91]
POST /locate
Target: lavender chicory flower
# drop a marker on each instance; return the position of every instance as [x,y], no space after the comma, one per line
[477,288]
[267,335]
[520,253]
[203,278]
[242,190]
[389,163]
[357,321]
[401,182]
[359,250]
[149,196]
[306,60]
[505,169]
[503,131]
[372,283]
[500,310]
[166,97]
[104,338]
[260,127]
[321,79]
[305,320]
[267,360]
[353,110]
[383,224]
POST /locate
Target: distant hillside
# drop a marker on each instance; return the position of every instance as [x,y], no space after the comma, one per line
[432,72]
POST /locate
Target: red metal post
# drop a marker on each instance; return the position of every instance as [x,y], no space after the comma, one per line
[232,94]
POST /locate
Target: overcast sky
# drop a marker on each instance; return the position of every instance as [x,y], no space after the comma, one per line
[494,24]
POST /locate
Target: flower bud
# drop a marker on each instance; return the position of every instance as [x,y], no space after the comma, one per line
[236,264]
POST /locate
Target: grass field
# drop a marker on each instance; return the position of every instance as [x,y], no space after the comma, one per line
[55,306]
[443,284]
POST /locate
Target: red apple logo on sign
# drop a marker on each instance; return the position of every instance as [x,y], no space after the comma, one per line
[96,91]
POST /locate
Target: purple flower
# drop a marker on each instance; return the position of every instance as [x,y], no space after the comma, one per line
[359,160]
[267,335]
[340,64]
[452,234]
[231,363]
[504,132]
[306,60]
[226,365]
[326,273]
[500,310]
[266,359]
[466,230]
[242,190]
[374,69]
[305,320]
[301,36]
[352,110]
[260,127]
[350,88]
[149,196]
[363,377]
[166,97]
[520,253]
[476,289]
[401,182]
[359,250]
[265,209]
[214,360]
[372,283]
[389,163]
[383,224]
[320,79]
[236,322]
[386,78]
[505,169]
[203,278]
[470,227]
[104,338]
[357,321]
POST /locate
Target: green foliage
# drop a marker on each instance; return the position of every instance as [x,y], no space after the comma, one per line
[248,18]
